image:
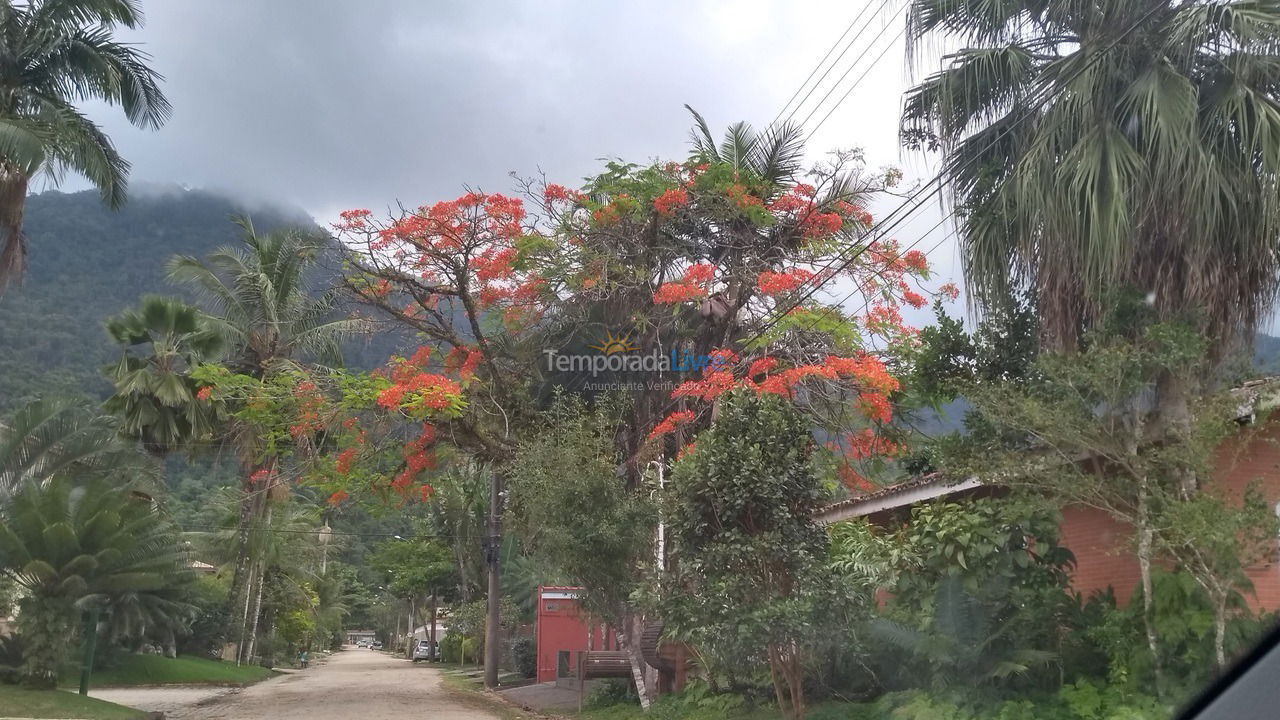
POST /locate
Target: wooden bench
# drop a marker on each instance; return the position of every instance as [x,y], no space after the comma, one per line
[594,664]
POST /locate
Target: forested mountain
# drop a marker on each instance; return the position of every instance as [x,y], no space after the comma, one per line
[89,262]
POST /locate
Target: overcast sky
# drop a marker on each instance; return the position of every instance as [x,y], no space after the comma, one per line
[333,104]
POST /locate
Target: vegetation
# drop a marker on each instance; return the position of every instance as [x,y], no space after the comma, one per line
[57,52]
[25,702]
[750,581]
[641,375]
[182,670]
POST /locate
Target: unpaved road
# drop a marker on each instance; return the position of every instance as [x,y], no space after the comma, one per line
[360,684]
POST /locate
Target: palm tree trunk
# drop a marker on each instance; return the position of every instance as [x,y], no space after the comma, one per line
[13,253]
[257,603]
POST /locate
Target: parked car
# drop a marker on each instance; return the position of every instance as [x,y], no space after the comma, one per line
[377,645]
[423,651]
[362,643]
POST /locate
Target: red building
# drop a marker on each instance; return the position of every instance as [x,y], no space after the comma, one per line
[564,630]
[1104,546]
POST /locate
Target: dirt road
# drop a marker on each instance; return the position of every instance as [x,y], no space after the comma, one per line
[360,684]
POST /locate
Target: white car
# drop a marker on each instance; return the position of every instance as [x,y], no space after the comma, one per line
[422,651]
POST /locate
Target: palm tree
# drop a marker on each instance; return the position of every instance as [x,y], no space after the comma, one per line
[155,396]
[1090,145]
[268,320]
[72,544]
[54,53]
[1096,145]
[51,437]
[261,304]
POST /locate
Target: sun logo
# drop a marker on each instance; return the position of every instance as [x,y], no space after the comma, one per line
[615,344]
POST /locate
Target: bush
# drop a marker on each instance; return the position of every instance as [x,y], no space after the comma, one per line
[611,691]
[524,656]
[10,659]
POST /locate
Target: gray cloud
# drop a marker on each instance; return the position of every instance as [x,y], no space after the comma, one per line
[330,104]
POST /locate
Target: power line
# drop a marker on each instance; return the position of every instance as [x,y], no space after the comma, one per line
[850,69]
[823,277]
[847,48]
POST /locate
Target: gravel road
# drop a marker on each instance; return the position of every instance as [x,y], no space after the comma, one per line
[354,683]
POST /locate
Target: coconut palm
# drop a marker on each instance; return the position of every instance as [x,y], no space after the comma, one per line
[72,544]
[1091,145]
[268,319]
[51,437]
[260,303]
[54,53]
[155,396]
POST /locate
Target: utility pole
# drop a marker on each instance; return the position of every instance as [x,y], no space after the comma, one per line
[434,648]
[493,545]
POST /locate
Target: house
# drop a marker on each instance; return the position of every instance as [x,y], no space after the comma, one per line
[564,630]
[1103,545]
[355,636]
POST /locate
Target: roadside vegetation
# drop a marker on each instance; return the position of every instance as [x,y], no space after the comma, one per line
[132,670]
[250,491]
[28,703]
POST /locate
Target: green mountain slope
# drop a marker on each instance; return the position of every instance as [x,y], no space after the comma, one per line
[87,263]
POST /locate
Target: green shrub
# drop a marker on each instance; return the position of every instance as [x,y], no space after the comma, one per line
[524,656]
[611,691]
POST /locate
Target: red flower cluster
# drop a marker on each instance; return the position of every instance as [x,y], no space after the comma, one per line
[854,481]
[339,497]
[555,193]
[671,422]
[867,444]
[917,261]
[494,264]
[743,199]
[432,391]
[820,225]
[777,283]
[914,299]
[345,458]
[694,285]
[950,291]
[260,476]
[310,403]
[464,360]
[205,392]
[668,202]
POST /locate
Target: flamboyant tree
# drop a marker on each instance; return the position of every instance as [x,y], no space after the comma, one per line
[715,260]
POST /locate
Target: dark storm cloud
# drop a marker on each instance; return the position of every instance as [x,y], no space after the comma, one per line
[330,104]
[337,104]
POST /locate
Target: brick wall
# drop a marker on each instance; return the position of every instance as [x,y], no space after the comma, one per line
[1104,548]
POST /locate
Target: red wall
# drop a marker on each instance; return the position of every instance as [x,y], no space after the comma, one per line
[1104,548]
[562,626]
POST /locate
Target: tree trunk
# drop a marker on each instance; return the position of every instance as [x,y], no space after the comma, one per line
[1220,629]
[240,593]
[778,674]
[629,641]
[1145,542]
[13,252]
[257,611]
[244,617]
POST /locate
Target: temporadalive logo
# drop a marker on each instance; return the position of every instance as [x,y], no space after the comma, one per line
[619,354]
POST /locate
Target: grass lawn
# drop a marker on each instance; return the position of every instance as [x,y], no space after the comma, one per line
[183,670]
[20,702]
